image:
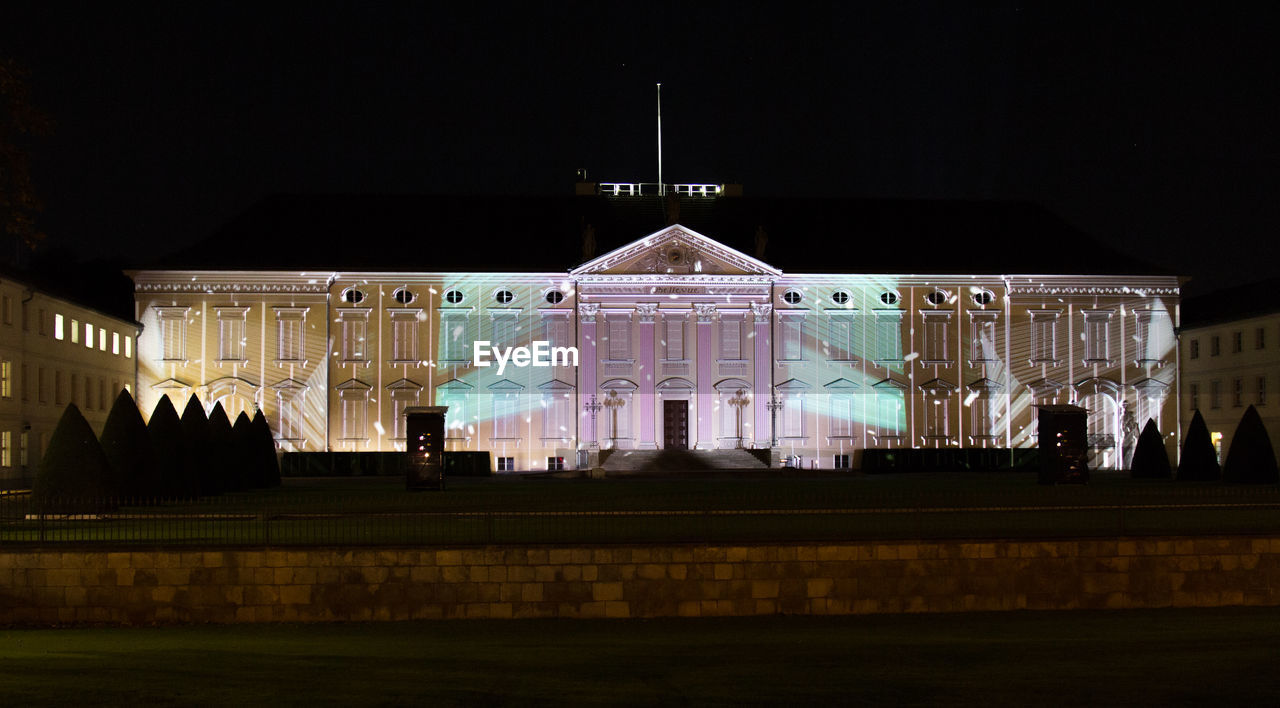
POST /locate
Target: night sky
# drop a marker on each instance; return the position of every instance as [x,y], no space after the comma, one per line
[1151,127]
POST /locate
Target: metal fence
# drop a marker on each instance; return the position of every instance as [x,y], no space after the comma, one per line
[434,519]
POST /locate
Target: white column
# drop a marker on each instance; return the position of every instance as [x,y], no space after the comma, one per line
[706,312]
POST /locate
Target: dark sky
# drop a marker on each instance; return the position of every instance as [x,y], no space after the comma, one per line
[1151,126]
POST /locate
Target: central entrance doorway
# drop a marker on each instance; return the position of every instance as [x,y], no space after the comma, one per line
[675,425]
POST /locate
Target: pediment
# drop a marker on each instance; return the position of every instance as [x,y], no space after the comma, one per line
[676,250]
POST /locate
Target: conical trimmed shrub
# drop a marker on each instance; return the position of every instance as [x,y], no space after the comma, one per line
[128,448]
[1251,458]
[165,432]
[268,465]
[73,474]
[197,467]
[246,465]
[1150,459]
[223,475]
[1199,461]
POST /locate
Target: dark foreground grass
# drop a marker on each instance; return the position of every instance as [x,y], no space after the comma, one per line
[1168,657]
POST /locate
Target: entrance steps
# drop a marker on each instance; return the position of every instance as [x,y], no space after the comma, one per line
[664,461]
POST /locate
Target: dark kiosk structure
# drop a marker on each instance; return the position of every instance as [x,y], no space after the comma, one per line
[424,426]
[1064,448]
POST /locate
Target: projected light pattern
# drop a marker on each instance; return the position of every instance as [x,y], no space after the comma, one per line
[851,361]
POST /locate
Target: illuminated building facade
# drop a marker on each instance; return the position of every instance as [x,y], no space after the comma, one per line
[683,340]
[54,351]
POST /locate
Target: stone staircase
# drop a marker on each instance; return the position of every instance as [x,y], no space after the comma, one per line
[675,461]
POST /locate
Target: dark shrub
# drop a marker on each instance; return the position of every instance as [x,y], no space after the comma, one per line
[265,452]
[1251,459]
[1199,461]
[165,431]
[73,474]
[223,474]
[1150,459]
[128,448]
[197,467]
[245,465]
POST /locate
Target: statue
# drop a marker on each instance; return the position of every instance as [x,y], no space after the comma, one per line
[1129,433]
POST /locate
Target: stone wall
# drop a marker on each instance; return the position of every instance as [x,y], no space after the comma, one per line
[324,584]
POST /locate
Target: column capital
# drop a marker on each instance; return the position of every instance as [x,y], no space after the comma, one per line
[761,310]
[706,311]
[587,311]
[646,311]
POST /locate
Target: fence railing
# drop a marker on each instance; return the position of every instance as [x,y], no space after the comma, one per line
[431,519]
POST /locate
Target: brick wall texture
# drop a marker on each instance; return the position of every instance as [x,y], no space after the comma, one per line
[41,587]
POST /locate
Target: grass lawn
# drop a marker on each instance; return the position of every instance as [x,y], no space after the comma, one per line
[1167,657]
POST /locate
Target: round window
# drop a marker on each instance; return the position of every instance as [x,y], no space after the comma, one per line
[889,297]
[504,296]
[404,296]
[555,297]
[840,297]
[984,297]
[937,297]
[353,296]
[453,297]
[792,297]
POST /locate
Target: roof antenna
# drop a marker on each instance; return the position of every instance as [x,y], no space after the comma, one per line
[662,188]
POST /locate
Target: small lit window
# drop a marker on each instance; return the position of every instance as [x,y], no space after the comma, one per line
[404,296]
[792,297]
[88,335]
[57,326]
[983,297]
[453,297]
[506,464]
[504,296]
[75,331]
[555,297]
[353,296]
[937,297]
[889,297]
[555,463]
[840,297]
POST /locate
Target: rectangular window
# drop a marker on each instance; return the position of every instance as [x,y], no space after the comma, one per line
[505,329]
[1193,396]
[290,402]
[173,333]
[88,335]
[841,417]
[26,384]
[7,307]
[1044,336]
[1155,338]
[102,394]
[937,326]
[557,330]
[791,417]
[1097,336]
[6,379]
[731,337]
[619,328]
[128,347]
[1260,338]
[26,327]
[1237,342]
[840,462]
[555,463]
[59,394]
[889,415]
[353,326]
[792,335]
[504,417]
[1237,392]
[888,336]
[1215,394]
[455,342]
[23,455]
[1262,390]
[57,326]
[982,337]
[1215,346]
[115,343]
[557,417]
[840,345]
[42,394]
[231,333]
[88,393]
[6,449]
[1195,349]
[937,416]
[355,410]
[73,388]
[982,411]
[673,337]
[404,336]
[102,339]
[400,400]
[75,331]
[506,464]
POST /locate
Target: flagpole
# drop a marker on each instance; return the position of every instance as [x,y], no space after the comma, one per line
[662,187]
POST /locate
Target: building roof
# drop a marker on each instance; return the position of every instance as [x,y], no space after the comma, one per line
[1238,303]
[546,234]
[94,285]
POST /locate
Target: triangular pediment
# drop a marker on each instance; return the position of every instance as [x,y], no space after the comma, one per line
[676,250]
